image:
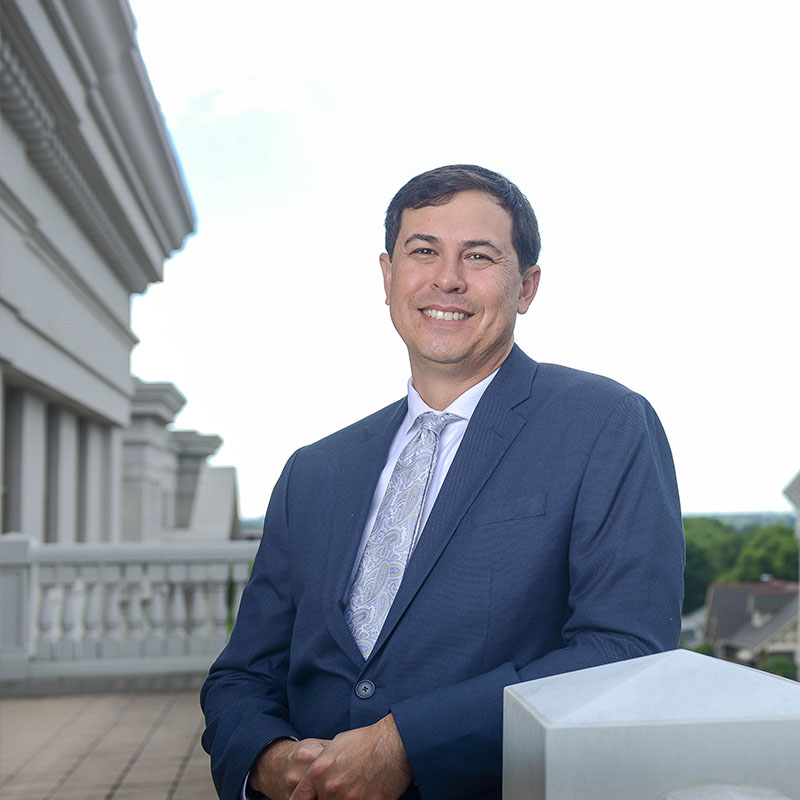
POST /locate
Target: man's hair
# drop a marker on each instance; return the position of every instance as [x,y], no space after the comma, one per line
[438,186]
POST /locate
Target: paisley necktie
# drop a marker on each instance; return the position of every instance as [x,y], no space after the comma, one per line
[394,534]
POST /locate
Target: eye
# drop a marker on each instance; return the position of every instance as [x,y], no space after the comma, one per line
[480,257]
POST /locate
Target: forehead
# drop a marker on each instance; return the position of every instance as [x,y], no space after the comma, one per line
[468,216]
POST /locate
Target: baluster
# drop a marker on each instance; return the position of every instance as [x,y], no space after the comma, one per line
[45,643]
[133,584]
[110,640]
[198,618]
[67,646]
[218,579]
[241,572]
[90,646]
[155,642]
[176,637]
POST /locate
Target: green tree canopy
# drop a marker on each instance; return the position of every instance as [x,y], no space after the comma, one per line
[711,550]
[771,550]
[696,575]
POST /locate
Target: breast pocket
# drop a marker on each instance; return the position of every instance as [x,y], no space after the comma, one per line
[502,510]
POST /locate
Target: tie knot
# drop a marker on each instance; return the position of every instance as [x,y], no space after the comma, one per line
[430,421]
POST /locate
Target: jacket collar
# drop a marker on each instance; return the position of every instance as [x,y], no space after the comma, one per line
[493,427]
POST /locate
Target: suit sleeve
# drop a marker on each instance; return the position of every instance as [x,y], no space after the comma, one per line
[626,588]
[244,697]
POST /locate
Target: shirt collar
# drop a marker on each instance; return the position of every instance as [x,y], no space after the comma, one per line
[463,406]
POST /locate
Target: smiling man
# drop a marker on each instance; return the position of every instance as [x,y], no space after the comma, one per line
[505,521]
[454,286]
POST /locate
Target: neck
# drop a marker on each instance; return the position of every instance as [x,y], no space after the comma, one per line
[439,388]
[438,398]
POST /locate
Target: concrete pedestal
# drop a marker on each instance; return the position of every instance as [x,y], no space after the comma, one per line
[650,726]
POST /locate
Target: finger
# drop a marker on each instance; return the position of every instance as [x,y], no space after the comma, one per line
[304,790]
[307,751]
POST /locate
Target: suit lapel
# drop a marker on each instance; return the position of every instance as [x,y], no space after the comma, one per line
[359,468]
[492,428]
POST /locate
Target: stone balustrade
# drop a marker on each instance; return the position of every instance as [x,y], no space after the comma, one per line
[116,609]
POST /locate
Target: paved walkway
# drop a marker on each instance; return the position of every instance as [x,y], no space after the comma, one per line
[103,747]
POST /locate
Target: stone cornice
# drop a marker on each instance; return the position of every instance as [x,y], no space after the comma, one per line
[33,120]
[56,143]
[192,443]
[118,84]
[160,400]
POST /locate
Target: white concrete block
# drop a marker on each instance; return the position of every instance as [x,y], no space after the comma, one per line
[649,726]
[718,791]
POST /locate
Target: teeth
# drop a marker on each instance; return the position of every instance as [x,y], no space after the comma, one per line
[434,313]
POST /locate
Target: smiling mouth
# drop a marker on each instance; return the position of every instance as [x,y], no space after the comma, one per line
[435,313]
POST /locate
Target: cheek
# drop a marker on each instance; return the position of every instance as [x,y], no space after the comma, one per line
[406,286]
[503,300]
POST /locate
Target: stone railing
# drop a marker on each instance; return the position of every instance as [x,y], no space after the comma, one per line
[116,609]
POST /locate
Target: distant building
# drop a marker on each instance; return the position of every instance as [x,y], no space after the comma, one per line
[92,201]
[748,622]
[169,492]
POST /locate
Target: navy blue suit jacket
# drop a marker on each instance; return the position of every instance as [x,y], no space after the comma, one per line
[555,544]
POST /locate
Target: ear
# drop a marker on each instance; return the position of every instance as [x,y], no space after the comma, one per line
[530,283]
[386,268]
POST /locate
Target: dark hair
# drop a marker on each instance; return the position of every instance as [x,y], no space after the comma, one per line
[438,186]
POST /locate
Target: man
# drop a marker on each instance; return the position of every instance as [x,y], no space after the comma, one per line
[508,520]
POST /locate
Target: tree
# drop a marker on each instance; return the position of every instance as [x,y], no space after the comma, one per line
[696,575]
[711,549]
[768,550]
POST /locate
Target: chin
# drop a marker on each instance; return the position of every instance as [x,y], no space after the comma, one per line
[444,359]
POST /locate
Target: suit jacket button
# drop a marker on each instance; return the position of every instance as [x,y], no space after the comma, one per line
[365,689]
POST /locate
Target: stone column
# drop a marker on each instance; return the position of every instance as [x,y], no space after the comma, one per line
[150,462]
[25,460]
[114,472]
[92,483]
[194,450]
[62,468]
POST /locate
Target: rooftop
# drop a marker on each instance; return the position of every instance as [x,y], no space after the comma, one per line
[104,747]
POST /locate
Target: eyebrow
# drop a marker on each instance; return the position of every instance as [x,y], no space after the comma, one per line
[425,237]
[482,243]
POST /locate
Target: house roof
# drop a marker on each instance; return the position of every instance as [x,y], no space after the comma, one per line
[747,614]
[753,637]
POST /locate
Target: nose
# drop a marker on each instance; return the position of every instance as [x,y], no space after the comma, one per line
[450,275]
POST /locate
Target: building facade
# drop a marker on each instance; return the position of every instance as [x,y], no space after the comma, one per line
[92,201]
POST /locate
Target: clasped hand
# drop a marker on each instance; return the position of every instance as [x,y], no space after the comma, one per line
[367,763]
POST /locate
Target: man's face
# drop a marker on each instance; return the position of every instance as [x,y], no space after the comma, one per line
[454,286]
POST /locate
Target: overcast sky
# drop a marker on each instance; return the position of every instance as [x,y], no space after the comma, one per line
[656,142]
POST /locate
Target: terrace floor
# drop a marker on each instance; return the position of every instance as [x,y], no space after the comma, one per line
[104,747]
